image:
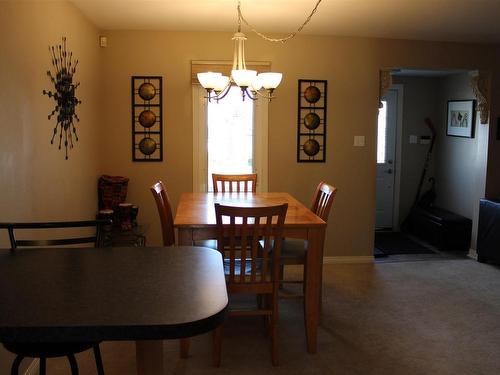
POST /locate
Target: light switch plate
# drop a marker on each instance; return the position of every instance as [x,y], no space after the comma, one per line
[413,139]
[359,140]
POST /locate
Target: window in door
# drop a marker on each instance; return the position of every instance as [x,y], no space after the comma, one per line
[382,133]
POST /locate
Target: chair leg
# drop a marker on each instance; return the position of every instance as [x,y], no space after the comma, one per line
[15,365]
[282,275]
[274,329]
[73,364]
[184,347]
[43,363]
[98,360]
[217,346]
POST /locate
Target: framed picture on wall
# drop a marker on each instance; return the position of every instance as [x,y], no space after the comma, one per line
[461,118]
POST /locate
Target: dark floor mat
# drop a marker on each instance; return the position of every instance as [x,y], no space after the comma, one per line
[378,253]
[391,243]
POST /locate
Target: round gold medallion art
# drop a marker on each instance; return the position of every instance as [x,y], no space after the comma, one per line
[147,146]
[147,118]
[147,91]
[311,147]
[312,94]
[311,121]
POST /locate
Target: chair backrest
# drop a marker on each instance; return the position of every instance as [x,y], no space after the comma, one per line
[97,239]
[246,235]
[165,212]
[234,182]
[323,199]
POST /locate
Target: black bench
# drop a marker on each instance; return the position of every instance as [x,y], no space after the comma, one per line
[488,232]
[441,228]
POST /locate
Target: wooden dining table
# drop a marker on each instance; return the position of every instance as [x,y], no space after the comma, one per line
[195,220]
[145,294]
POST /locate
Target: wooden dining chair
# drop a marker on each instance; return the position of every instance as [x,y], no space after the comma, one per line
[293,251]
[168,234]
[53,350]
[250,268]
[234,183]
[165,212]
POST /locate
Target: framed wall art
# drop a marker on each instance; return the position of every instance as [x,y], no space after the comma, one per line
[311,121]
[147,118]
[461,118]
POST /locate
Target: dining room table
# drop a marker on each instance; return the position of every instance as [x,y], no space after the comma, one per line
[142,294]
[195,221]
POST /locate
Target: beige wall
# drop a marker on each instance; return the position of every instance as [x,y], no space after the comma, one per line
[36,183]
[460,162]
[351,66]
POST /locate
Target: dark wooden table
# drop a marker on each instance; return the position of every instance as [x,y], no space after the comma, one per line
[195,220]
[88,294]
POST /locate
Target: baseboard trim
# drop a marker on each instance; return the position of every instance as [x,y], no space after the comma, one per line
[33,367]
[348,259]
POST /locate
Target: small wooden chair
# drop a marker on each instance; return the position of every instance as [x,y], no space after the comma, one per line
[234,183]
[293,251]
[53,350]
[165,212]
[250,268]
[167,230]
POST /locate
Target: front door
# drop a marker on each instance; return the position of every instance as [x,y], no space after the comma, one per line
[386,152]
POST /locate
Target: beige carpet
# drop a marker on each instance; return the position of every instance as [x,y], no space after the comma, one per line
[405,318]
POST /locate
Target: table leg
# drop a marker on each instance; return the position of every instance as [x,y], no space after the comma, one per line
[185,238]
[313,277]
[149,356]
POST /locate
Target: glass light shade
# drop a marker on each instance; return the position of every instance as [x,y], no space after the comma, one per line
[270,80]
[256,84]
[208,79]
[221,83]
[243,77]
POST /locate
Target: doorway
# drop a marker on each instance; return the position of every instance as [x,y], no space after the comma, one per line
[447,181]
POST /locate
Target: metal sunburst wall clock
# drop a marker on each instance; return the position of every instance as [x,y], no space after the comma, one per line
[64,94]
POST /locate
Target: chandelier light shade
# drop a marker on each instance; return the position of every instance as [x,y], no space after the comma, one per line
[251,83]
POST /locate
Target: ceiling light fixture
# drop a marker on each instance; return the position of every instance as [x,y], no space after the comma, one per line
[251,83]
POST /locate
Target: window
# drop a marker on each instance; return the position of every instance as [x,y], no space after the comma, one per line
[229,137]
[382,134]
[230,131]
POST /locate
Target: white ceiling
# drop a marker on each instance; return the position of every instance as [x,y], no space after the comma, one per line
[445,20]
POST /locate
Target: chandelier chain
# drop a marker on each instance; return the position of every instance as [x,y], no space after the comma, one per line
[269,39]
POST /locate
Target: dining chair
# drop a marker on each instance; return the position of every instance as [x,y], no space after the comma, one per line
[165,212]
[168,234]
[293,251]
[53,350]
[234,183]
[244,238]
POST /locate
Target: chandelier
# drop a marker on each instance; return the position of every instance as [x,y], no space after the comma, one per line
[251,83]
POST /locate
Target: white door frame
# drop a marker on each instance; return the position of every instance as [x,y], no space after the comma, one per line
[398,139]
